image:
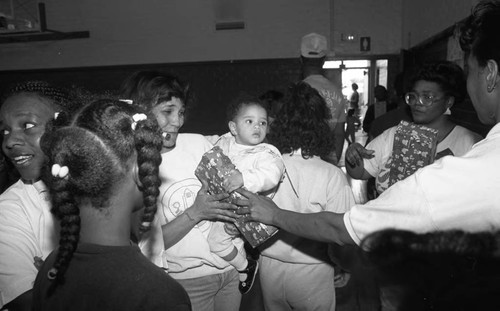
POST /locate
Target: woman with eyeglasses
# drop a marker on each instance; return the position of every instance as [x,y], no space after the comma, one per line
[434,90]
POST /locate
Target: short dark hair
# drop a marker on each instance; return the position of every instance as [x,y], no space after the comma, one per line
[242,100]
[150,88]
[448,75]
[479,32]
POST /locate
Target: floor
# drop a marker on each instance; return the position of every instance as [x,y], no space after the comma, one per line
[359,294]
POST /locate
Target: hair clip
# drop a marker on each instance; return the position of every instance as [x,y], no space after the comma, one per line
[128,101]
[59,171]
[138,117]
[56,114]
[146,223]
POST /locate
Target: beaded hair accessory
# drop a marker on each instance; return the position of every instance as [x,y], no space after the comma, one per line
[59,171]
[138,117]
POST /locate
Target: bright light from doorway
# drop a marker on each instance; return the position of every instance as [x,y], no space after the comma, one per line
[335,64]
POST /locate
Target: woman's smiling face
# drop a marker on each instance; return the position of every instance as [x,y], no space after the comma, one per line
[22,123]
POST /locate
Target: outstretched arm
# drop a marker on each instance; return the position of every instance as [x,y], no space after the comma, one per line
[323,226]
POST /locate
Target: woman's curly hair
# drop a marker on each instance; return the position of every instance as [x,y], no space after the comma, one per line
[302,123]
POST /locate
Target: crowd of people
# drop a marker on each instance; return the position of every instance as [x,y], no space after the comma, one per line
[103,210]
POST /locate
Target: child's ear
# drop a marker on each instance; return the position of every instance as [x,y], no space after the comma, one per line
[232,127]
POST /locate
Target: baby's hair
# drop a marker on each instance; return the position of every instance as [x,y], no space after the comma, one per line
[302,123]
[242,100]
[150,88]
[98,145]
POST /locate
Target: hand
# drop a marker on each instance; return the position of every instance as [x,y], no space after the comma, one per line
[355,154]
[38,262]
[210,207]
[233,181]
[256,207]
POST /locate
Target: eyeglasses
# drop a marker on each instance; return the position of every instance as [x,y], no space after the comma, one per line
[426,100]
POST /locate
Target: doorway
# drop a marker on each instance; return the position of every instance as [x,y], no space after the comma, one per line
[366,73]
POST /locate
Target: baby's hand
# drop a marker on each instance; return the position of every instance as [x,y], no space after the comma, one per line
[233,181]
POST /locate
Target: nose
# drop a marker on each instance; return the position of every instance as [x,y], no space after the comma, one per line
[13,139]
[176,120]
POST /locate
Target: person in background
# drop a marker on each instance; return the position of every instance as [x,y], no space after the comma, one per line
[352,125]
[354,99]
[313,53]
[103,166]
[435,89]
[377,109]
[178,239]
[454,193]
[28,231]
[297,273]
[401,111]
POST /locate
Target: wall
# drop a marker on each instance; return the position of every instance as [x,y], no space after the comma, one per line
[424,18]
[379,20]
[155,31]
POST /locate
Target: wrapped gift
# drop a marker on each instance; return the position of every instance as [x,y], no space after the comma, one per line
[213,168]
[414,147]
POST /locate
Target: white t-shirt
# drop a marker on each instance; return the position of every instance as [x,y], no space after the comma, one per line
[311,185]
[191,256]
[460,192]
[27,229]
[457,143]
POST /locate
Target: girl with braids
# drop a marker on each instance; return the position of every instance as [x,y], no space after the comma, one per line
[301,133]
[178,241]
[27,228]
[102,167]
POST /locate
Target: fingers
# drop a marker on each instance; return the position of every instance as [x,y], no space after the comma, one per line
[244,192]
[204,187]
[218,197]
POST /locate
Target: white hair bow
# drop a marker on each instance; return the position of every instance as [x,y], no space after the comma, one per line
[138,117]
[59,171]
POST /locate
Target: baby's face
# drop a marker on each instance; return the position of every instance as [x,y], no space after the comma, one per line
[249,127]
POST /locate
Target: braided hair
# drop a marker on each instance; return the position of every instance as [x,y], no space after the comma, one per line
[302,123]
[98,146]
[59,96]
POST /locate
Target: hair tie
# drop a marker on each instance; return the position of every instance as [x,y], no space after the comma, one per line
[56,114]
[128,101]
[52,274]
[138,117]
[146,224]
[59,171]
